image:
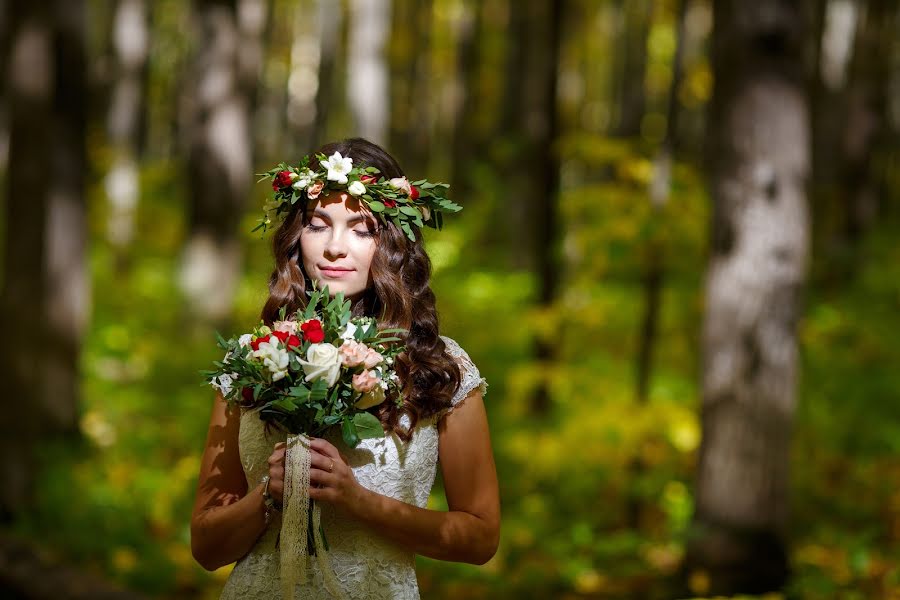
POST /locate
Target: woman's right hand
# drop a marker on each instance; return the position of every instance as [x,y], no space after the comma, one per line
[276,473]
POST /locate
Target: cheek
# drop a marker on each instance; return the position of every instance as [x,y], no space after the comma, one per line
[365,254]
[308,252]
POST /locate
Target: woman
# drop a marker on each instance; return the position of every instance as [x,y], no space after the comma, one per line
[373,497]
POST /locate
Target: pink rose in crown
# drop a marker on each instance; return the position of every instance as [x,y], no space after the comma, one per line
[368,179]
[314,189]
[283,179]
[414,192]
[401,184]
[365,381]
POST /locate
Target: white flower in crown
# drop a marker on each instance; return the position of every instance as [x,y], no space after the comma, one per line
[303,180]
[338,167]
[356,188]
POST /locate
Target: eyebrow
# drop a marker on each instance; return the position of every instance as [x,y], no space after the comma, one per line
[352,221]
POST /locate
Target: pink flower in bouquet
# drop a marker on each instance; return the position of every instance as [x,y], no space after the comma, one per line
[365,381]
[286,326]
[373,358]
[353,353]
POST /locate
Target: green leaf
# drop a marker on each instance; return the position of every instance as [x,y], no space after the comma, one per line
[376,206]
[348,432]
[409,210]
[367,426]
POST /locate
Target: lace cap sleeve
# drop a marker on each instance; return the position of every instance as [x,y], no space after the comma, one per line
[471,378]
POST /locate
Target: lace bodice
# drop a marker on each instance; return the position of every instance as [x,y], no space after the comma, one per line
[367,565]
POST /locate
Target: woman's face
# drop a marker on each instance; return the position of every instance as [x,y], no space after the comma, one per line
[338,243]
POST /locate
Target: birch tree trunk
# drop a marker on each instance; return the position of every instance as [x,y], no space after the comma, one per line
[224,71]
[368,94]
[45,295]
[759,143]
[131,45]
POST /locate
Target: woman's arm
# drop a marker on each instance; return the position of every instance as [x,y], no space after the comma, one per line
[469,531]
[226,520]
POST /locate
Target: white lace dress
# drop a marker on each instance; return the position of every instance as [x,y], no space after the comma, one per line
[366,565]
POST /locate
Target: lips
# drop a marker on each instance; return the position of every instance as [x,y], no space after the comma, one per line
[333,272]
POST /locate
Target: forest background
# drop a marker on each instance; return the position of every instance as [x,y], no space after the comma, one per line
[677,268]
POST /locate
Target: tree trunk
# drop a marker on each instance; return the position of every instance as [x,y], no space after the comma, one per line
[538,203]
[131,46]
[464,142]
[332,32]
[759,143]
[45,294]
[368,94]
[224,75]
[865,129]
[631,99]
[655,268]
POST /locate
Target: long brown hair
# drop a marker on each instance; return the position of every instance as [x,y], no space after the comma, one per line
[400,296]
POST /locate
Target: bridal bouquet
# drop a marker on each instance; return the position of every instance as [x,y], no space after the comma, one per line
[313,370]
[317,369]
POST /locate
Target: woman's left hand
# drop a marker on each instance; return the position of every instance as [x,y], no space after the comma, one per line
[331,479]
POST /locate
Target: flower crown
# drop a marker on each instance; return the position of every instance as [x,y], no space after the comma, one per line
[406,204]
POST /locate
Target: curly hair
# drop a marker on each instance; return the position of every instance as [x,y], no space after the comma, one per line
[400,296]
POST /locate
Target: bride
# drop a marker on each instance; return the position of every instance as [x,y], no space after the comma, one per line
[373,497]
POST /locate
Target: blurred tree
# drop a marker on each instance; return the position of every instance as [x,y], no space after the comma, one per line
[368,94]
[850,90]
[655,250]
[223,82]
[332,49]
[631,99]
[866,128]
[126,118]
[759,163]
[537,196]
[411,53]
[45,293]
[465,139]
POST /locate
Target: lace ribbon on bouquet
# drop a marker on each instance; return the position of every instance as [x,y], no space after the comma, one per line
[295,522]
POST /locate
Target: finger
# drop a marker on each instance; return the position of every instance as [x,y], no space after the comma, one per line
[324,447]
[322,494]
[322,477]
[320,461]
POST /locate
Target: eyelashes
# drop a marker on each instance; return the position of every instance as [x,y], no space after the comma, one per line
[317,228]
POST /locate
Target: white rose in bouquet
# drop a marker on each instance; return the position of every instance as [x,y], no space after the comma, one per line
[323,361]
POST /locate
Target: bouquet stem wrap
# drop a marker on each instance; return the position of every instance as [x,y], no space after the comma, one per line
[295,525]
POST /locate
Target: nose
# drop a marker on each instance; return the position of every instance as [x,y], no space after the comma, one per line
[337,244]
